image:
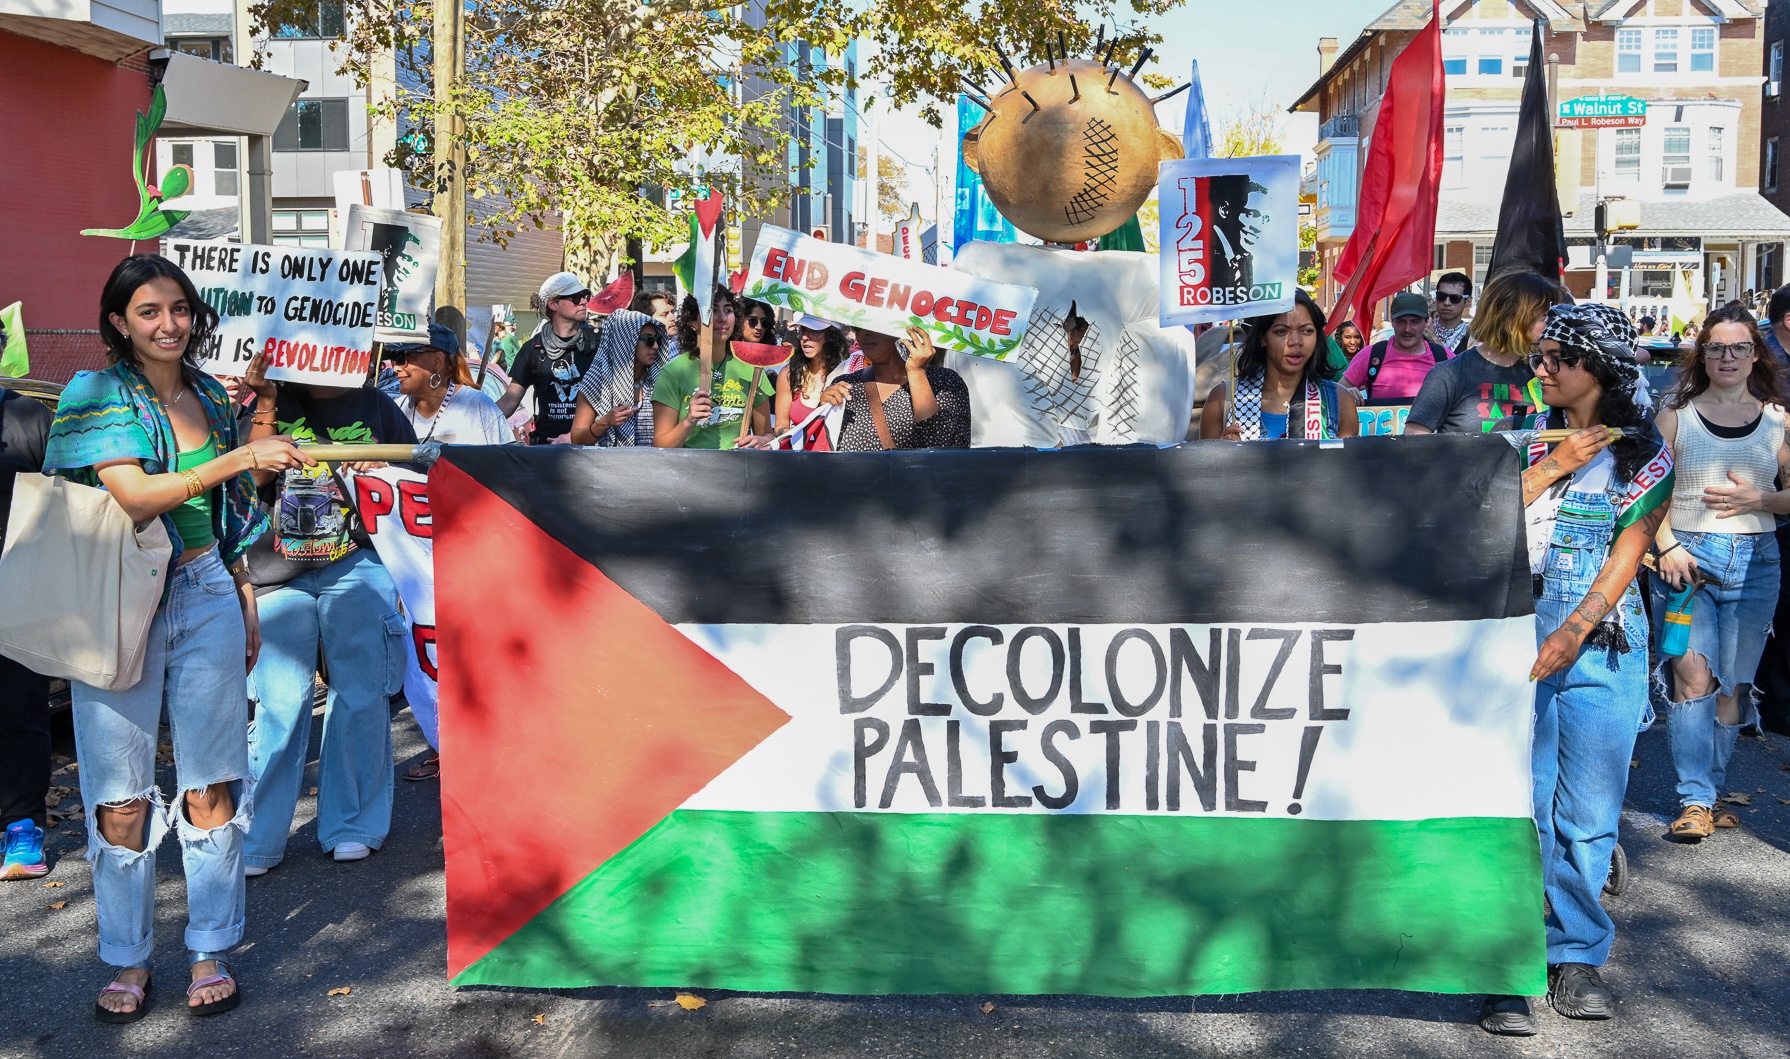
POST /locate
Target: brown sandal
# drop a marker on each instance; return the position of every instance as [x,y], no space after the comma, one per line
[428,770]
[1693,824]
[1723,816]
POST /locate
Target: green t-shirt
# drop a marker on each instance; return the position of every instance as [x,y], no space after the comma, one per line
[677,381]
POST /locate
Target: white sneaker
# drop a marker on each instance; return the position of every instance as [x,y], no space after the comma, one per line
[252,870]
[351,851]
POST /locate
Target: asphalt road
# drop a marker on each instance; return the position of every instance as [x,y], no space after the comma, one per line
[1702,966]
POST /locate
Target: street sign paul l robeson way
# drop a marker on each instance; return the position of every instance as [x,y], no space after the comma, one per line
[1603,112]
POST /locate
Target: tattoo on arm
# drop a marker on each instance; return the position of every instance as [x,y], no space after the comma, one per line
[1589,612]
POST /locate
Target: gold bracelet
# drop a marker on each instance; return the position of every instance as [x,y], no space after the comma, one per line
[254,460]
[261,422]
[195,486]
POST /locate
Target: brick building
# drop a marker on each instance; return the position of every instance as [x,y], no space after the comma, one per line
[1693,167]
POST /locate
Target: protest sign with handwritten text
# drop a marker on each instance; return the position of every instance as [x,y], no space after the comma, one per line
[310,309]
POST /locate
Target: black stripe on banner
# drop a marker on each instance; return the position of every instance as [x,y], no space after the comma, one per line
[1377,529]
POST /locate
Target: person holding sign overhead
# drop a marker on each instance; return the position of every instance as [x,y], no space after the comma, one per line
[693,413]
[165,441]
[1280,387]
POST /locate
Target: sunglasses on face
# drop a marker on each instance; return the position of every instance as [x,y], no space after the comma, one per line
[1553,361]
[758,321]
[1727,351]
[404,356]
[580,297]
[650,338]
[1452,299]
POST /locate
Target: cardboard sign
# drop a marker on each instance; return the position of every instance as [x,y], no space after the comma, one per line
[861,288]
[905,242]
[311,309]
[409,244]
[1230,238]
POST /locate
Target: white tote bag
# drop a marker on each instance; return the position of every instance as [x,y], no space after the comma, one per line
[79,583]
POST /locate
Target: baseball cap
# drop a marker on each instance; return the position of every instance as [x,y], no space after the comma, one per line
[813,323]
[562,285]
[1408,304]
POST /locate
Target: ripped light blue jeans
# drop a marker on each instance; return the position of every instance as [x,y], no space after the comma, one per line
[1586,719]
[1728,629]
[193,668]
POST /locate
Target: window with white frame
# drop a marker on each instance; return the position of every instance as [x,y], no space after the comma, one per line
[1675,155]
[223,174]
[1628,154]
[1628,51]
[1492,47]
[1454,168]
[1774,80]
[1702,49]
[1665,50]
[301,227]
[1495,143]
[1456,43]
[1715,152]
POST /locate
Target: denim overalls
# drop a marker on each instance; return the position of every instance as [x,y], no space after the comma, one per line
[1586,718]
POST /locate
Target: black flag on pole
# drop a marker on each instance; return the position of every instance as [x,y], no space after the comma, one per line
[1531,234]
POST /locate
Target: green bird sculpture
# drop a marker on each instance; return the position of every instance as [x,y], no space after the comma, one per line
[152,221]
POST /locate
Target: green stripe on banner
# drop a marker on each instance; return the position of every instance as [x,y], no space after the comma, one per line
[871,903]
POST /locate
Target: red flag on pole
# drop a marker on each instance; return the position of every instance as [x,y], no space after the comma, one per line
[1393,243]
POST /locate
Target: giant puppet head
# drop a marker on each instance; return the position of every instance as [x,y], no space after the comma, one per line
[1069,149]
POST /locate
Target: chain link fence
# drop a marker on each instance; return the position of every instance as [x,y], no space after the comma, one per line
[56,354]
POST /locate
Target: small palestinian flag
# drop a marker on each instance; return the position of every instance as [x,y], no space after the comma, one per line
[1122,722]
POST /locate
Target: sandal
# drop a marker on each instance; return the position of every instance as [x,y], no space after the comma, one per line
[1723,816]
[428,770]
[1693,824]
[215,1007]
[119,1018]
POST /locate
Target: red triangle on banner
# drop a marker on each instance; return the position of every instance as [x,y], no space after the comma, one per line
[573,718]
[708,211]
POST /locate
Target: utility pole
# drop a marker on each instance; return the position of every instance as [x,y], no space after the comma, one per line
[872,175]
[449,148]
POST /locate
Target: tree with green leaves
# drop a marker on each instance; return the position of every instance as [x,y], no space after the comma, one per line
[593,112]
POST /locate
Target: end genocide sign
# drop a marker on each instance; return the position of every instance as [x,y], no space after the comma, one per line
[859,288]
[311,310]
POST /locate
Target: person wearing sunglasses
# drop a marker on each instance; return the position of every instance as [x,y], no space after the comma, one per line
[555,359]
[758,322]
[620,381]
[1726,427]
[1454,292]
[1473,392]
[436,393]
[1592,506]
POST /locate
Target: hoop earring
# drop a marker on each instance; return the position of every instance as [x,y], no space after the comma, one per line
[436,382]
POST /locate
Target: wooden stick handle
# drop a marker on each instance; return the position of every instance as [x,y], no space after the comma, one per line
[751,400]
[358,453]
[1555,436]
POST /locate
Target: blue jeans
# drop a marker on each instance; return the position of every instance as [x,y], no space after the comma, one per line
[194,669]
[1586,718]
[350,608]
[1728,629]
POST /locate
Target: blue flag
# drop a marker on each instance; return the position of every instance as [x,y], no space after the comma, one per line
[1196,128]
[974,215]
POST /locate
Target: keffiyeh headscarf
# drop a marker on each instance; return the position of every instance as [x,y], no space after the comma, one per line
[609,381]
[1600,333]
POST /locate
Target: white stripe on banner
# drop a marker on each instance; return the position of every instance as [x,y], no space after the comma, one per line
[393,503]
[1394,721]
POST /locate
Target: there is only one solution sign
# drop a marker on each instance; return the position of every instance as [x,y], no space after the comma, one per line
[311,310]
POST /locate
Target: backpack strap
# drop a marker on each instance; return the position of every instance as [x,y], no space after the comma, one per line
[1376,357]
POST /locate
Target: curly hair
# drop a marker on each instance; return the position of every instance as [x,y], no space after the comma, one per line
[1767,381]
[832,354]
[1254,356]
[689,319]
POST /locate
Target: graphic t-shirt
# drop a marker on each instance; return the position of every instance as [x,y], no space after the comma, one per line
[313,523]
[555,381]
[1469,394]
[728,383]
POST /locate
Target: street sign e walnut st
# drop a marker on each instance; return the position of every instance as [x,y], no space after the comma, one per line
[1603,112]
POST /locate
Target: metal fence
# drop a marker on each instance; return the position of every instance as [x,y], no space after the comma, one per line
[56,354]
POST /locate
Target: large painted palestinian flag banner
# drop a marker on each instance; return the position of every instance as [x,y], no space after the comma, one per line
[1128,722]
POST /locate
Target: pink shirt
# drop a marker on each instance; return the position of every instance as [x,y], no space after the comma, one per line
[1401,374]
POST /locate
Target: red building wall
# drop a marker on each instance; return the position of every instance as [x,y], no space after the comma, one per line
[68,121]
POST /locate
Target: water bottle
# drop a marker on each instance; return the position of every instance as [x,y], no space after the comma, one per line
[1677,638]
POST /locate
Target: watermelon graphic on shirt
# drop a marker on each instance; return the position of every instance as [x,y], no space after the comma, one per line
[1124,722]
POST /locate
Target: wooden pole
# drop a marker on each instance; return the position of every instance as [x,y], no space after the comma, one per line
[751,395]
[449,148]
[1230,392]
